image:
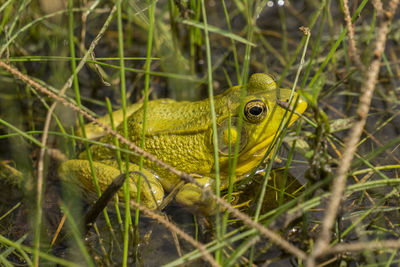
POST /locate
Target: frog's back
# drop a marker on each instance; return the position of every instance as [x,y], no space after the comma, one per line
[166,116]
[174,117]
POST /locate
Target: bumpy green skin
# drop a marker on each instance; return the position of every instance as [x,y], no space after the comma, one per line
[180,134]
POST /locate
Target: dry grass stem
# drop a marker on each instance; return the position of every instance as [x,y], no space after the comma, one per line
[339,183]
[352,43]
[175,238]
[360,246]
[58,230]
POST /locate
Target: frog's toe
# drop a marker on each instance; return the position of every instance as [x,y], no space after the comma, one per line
[193,197]
[189,195]
[152,192]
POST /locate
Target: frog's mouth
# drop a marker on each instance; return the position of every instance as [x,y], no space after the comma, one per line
[248,159]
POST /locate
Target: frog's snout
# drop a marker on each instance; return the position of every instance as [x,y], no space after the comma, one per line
[299,103]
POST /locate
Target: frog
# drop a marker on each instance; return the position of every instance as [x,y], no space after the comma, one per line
[180,133]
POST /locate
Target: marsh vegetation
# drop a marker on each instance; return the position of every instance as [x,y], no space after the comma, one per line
[328,192]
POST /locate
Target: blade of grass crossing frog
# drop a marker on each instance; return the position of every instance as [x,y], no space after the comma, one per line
[284,124]
[81,122]
[218,254]
[119,161]
[245,73]
[128,220]
[146,99]
[230,178]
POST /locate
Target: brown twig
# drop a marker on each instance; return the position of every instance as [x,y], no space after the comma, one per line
[352,43]
[359,246]
[339,183]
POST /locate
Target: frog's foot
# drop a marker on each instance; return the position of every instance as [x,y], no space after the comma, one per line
[235,196]
[194,197]
[171,195]
[79,172]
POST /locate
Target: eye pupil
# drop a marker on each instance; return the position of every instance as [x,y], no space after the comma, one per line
[256,111]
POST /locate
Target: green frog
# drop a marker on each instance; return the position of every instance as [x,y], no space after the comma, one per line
[180,134]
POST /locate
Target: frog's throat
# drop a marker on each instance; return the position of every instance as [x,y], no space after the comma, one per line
[251,158]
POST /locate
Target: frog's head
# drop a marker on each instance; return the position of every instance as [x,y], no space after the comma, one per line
[265,106]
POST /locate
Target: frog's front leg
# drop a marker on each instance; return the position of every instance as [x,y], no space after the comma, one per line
[194,197]
[78,171]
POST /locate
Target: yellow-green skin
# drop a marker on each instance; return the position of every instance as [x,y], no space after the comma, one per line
[180,134]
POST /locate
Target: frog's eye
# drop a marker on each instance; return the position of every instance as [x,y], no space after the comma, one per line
[255,111]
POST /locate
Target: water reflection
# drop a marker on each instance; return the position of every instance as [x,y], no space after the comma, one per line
[279,2]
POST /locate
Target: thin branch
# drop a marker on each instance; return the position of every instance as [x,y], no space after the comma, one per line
[352,44]
[360,246]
